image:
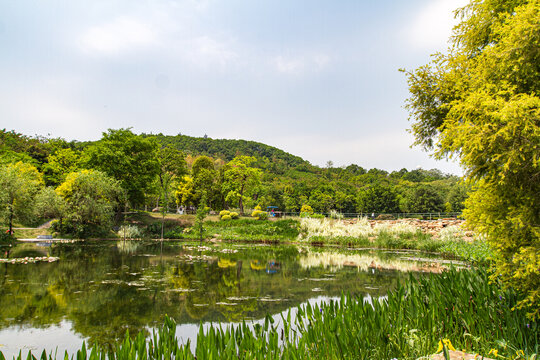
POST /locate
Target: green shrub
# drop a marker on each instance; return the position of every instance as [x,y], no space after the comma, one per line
[334,214]
[259,215]
[78,230]
[226,217]
[223,213]
[306,211]
[176,233]
[6,237]
[234,215]
[129,232]
[153,229]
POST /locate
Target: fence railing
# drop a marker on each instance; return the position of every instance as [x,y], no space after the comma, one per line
[388,216]
[368,215]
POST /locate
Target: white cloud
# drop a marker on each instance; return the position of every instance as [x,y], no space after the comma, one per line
[300,64]
[205,51]
[289,66]
[121,35]
[432,26]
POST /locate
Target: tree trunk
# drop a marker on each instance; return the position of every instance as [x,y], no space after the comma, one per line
[240,202]
[162,224]
[11,219]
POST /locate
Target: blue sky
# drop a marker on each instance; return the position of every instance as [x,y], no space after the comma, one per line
[318,79]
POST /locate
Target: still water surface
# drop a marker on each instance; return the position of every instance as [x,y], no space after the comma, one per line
[98,290]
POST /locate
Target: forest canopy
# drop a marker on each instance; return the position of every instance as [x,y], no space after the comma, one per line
[480,103]
[153,169]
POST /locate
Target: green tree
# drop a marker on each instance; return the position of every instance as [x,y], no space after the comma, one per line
[19,183]
[205,178]
[59,164]
[456,197]
[90,197]
[378,199]
[48,204]
[128,158]
[202,211]
[481,104]
[239,179]
[185,194]
[423,199]
[171,167]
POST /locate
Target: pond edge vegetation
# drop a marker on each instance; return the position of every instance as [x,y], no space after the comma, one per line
[463,306]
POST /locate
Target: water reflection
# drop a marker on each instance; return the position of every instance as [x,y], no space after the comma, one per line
[98,290]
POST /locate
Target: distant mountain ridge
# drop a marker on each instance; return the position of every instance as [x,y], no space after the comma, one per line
[226,149]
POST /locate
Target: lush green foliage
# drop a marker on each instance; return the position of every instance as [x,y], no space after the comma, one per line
[126,157]
[239,180]
[19,182]
[155,175]
[252,230]
[202,211]
[423,199]
[379,199]
[90,197]
[481,104]
[462,306]
[229,149]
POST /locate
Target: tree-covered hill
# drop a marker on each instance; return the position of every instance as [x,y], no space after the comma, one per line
[227,149]
[151,171]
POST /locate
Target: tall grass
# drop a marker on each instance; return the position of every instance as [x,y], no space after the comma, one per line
[251,230]
[450,240]
[463,306]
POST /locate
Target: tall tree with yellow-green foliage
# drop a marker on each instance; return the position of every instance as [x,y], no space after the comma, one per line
[19,183]
[239,179]
[480,103]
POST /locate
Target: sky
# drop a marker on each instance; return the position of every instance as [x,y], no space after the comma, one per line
[316,78]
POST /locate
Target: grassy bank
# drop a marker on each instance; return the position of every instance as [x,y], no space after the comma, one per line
[249,230]
[462,306]
[360,233]
[401,235]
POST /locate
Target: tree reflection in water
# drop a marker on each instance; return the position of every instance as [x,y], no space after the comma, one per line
[105,288]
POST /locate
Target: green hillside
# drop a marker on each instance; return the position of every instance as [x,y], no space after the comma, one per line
[227,149]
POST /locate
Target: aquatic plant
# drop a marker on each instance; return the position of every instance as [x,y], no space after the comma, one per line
[458,308]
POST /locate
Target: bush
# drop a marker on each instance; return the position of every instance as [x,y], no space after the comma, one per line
[306,211]
[176,233]
[335,215]
[223,213]
[78,230]
[153,229]
[129,232]
[259,215]
[234,215]
[6,237]
[226,217]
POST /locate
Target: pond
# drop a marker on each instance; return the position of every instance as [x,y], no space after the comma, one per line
[98,290]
